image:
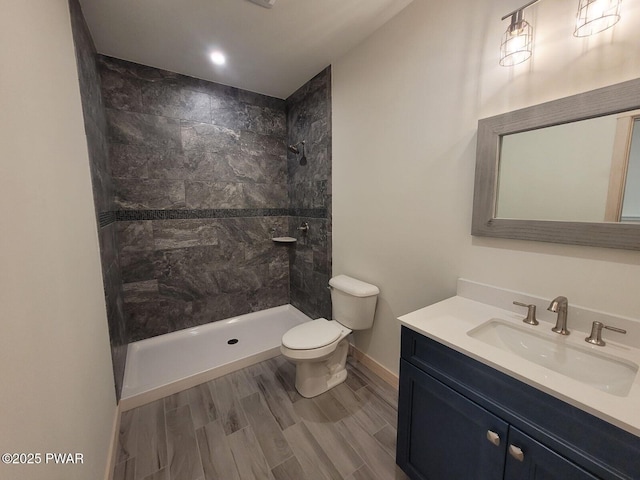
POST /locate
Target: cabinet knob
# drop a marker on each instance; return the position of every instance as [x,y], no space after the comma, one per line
[516,452]
[493,437]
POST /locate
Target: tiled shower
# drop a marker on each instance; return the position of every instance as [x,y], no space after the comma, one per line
[191,180]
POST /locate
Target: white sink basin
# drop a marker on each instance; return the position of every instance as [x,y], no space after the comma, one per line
[552,351]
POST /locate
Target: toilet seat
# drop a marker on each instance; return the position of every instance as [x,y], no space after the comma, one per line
[310,335]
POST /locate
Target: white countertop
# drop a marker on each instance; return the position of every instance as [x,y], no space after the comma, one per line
[448,322]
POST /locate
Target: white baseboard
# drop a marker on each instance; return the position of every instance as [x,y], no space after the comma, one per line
[111,454]
[385,374]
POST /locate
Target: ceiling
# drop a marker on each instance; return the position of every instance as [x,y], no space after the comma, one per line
[270,51]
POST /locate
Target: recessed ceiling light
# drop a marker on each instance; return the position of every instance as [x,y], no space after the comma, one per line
[218,58]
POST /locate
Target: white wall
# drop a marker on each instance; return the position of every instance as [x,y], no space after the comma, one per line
[57,391]
[406,103]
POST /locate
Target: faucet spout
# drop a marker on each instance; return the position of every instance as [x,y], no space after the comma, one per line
[560,305]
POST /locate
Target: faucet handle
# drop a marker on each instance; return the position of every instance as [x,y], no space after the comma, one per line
[531,313]
[595,337]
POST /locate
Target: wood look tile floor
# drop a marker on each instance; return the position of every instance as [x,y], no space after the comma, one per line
[252,424]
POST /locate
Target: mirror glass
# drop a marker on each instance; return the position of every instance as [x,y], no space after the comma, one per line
[583,171]
[631,201]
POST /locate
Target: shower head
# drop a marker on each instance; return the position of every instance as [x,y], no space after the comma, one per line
[296,150]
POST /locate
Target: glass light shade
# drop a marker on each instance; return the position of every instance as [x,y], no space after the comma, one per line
[596,15]
[516,44]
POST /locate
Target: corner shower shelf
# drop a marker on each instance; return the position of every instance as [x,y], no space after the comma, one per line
[284,239]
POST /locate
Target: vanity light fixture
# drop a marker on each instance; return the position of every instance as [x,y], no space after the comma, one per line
[517,41]
[594,16]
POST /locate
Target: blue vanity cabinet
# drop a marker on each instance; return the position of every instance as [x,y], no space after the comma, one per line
[459,419]
[528,459]
[447,434]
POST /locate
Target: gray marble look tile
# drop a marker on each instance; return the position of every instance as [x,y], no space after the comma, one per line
[137,292]
[260,100]
[107,237]
[257,145]
[319,131]
[136,194]
[213,89]
[172,234]
[200,195]
[265,251]
[139,161]
[321,261]
[227,111]
[203,136]
[182,103]
[268,297]
[198,272]
[318,165]
[141,129]
[148,319]
[308,194]
[279,275]
[250,169]
[219,307]
[119,89]
[199,164]
[241,280]
[266,121]
[137,266]
[135,236]
[265,195]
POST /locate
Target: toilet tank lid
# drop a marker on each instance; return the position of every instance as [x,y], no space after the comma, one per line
[353,286]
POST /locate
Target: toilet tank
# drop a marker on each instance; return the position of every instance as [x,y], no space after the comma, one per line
[353,302]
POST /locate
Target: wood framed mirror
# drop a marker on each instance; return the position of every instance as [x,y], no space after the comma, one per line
[573,217]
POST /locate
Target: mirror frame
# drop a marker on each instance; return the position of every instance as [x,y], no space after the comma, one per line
[609,100]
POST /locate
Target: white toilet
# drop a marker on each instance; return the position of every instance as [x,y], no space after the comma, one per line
[319,348]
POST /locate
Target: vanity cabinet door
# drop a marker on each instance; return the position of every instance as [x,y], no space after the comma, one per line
[442,435]
[528,459]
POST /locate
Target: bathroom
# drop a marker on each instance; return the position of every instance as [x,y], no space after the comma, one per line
[405,103]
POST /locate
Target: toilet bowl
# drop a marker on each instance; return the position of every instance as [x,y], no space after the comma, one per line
[319,348]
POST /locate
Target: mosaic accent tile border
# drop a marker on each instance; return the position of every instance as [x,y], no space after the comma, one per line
[132,215]
[106,218]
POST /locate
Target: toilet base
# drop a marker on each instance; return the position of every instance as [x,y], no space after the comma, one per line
[316,377]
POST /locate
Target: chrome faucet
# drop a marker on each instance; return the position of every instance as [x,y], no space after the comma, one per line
[559,305]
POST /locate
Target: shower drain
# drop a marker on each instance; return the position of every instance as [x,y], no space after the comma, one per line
[233,341]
